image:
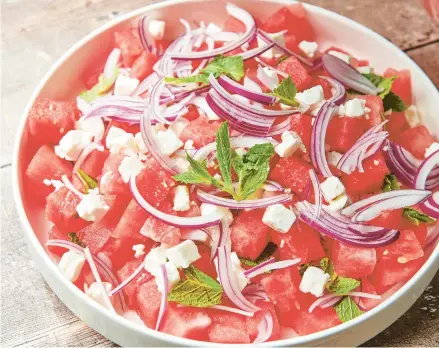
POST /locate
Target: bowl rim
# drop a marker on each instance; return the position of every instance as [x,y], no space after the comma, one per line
[34,243]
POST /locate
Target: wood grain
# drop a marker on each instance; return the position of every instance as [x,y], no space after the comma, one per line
[34,35]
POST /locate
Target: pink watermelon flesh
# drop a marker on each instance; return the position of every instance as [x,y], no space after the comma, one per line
[305,323]
[91,166]
[368,303]
[131,222]
[148,302]
[46,165]
[253,322]
[125,272]
[407,247]
[111,181]
[227,327]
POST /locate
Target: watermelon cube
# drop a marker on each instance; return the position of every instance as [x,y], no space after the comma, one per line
[301,124]
[416,140]
[92,166]
[368,303]
[305,323]
[186,322]
[111,182]
[371,180]
[227,327]
[392,219]
[253,322]
[293,172]
[397,124]
[302,242]
[402,86]
[203,263]
[405,248]
[343,133]
[46,165]
[352,261]
[200,131]
[49,120]
[143,65]
[128,42]
[125,272]
[249,234]
[375,115]
[298,73]
[282,288]
[132,220]
[148,302]
[56,233]
[61,210]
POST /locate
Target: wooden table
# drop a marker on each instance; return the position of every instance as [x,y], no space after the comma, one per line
[35,34]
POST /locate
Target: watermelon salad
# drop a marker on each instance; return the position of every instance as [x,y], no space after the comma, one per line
[239,183]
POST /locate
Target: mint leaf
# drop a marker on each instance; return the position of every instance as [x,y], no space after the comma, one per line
[394,102]
[347,309]
[196,290]
[197,174]
[88,182]
[342,285]
[390,183]
[324,264]
[223,154]
[416,217]
[232,66]
[103,85]
[75,239]
[383,83]
[286,92]
[265,255]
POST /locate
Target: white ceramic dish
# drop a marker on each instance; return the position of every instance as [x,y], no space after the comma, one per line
[63,80]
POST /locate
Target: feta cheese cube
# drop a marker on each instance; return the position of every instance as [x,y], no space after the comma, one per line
[172,274]
[412,116]
[342,56]
[189,145]
[181,198]
[271,74]
[309,48]
[96,293]
[241,151]
[82,105]
[157,29]
[168,142]
[94,126]
[139,250]
[195,235]
[57,184]
[311,96]
[334,157]
[112,135]
[332,187]
[341,110]
[338,203]
[291,142]
[140,143]
[130,166]
[92,207]
[314,281]
[241,279]
[273,52]
[355,107]
[225,213]
[431,149]
[365,70]
[279,218]
[183,254]
[125,85]
[119,141]
[72,144]
[252,85]
[71,264]
[154,259]
[182,163]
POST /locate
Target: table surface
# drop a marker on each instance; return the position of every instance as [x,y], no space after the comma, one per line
[34,35]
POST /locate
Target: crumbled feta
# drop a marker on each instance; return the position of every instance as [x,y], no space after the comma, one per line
[431,149]
[271,74]
[279,218]
[182,163]
[355,107]
[133,317]
[342,56]
[341,110]
[183,254]
[172,274]
[125,85]
[130,165]
[140,143]
[334,157]
[96,293]
[189,145]
[365,70]
[195,235]
[168,142]
[71,264]
[309,48]
[314,281]
[412,116]
[119,141]
[252,85]
[273,52]
[242,280]
[92,207]
[72,144]
[139,250]
[310,96]
[94,126]
[82,105]
[291,142]
[241,151]
[181,198]
[338,203]
[332,187]
[154,259]
[225,213]
[157,29]
[57,184]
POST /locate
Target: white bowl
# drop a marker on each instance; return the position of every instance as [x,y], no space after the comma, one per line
[63,80]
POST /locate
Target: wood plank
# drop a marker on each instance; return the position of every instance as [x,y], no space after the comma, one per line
[427,58]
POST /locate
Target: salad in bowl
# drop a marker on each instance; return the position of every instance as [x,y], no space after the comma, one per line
[236,183]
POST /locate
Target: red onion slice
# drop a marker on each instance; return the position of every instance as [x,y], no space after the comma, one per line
[347,75]
[244,204]
[233,310]
[146,84]
[68,184]
[177,221]
[228,281]
[425,169]
[269,265]
[107,271]
[255,51]
[84,154]
[128,280]
[431,205]
[111,64]
[237,13]
[317,191]
[339,96]
[142,28]
[164,299]
[265,329]
[236,88]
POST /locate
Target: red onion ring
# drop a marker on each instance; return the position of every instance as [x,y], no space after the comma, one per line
[431,205]
[339,96]
[233,310]
[317,192]
[425,169]
[265,329]
[269,265]
[111,64]
[68,184]
[255,51]
[142,28]
[128,280]
[236,88]
[84,154]
[164,299]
